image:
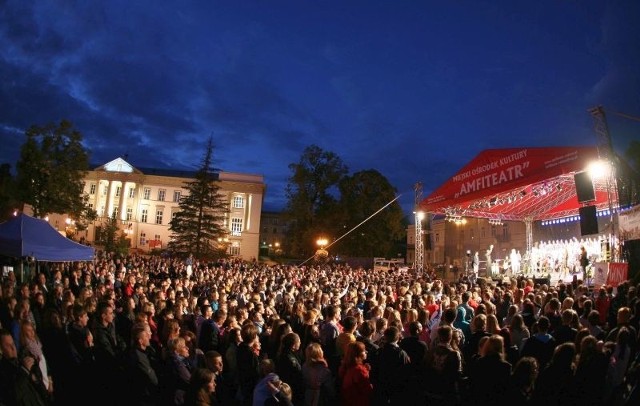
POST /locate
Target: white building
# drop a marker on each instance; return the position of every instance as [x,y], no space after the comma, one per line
[146,200]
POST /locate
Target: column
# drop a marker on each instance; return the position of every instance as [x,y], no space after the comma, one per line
[121,205]
[108,207]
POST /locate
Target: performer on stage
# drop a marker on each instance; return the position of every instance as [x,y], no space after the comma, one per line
[584,260]
[488,258]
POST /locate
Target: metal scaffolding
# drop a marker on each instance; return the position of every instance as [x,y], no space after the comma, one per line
[419,216]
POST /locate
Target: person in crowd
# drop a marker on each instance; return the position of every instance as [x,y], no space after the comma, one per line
[202,386]
[17,383]
[565,333]
[443,370]
[555,380]
[268,380]
[588,386]
[491,373]
[248,363]
[355,387]
[541,344]
[144,384]
[318,381]
[289,367]
[518,330]
[366,330]
[391,370]
[521,385]
[108,350]
[178,372]
[30,342]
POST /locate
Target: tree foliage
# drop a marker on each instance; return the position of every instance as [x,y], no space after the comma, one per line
[8,193]
[323,200]
[310,199]
[361,195]
[199,224]
[112,238]
[51,169]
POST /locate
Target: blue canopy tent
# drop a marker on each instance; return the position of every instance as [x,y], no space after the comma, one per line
[25,236]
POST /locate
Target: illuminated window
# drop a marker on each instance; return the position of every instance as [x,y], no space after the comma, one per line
[118,189]
[176,196]
[129,213]
[159,213]
[132,192]
[92,189]
[234,249]
[144,215]
[161,194]
[238,202]
[146,193]
[236,226]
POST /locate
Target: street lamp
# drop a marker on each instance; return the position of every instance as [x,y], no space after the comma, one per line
[321,254]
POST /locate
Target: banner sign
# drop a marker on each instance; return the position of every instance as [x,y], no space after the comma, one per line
[629,224]
[499,170]
[609,273]
[618,273]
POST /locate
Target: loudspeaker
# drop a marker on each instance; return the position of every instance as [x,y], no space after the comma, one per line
[584,187]
[588,220]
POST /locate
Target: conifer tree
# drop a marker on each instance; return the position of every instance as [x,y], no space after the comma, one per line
[199,225]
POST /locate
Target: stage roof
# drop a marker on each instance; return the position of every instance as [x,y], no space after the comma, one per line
[517,184]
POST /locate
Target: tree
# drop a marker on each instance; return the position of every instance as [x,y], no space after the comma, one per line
[361,195]
[8,193]
[51,169]
[309,197]
[113,239]
[198,227]
[633,154]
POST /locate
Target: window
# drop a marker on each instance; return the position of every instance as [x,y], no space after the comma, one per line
[115,212]
[161,194]
[493,231]
[118,189]
[437,237]
[90,206]
[105,190]
[132,192]
[176,196]
[236,226]
[234,249]
[129,213]
[144,215]
[238,202]
[146,193]
[505,231]
[92,189]
[159,213]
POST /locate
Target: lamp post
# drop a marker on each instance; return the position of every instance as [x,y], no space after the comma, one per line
[321,254]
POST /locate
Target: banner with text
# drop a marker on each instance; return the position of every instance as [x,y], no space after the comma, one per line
[498,170]
[609,273]
[629,224]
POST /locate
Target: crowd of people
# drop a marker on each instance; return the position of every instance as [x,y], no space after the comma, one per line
[167,331]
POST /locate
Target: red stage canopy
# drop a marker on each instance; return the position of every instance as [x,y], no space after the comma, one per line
[517,184]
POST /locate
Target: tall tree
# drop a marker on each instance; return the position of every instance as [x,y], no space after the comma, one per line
[8,198]
[199,225]
[362,195]
[309,197]
[51,169]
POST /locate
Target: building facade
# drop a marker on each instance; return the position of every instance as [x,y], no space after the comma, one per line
[145,200]
[272,233]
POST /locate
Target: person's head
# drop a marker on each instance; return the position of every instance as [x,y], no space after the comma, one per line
[367,328]
[479,323]
[355,354]
[289,343]
[7,345]
[267,367]
[202,380]
[349,324]
[179,347]
[543,324]
[525,373]
[415,328]
[141,335]
[213,360]
[494,346]
[449,315]
[564,354]
[105,313]
[314,353]
[249,333]
[624,314]
[391,335]
[444,334]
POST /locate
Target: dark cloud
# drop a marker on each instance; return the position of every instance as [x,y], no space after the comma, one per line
[414,92]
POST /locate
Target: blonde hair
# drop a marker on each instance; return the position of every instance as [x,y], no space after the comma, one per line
[314,353]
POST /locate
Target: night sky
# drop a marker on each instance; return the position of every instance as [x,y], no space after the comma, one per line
[413,89]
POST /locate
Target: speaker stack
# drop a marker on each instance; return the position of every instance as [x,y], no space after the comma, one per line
[586,194]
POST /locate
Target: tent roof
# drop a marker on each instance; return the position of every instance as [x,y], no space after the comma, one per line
[516,184]
[24,236]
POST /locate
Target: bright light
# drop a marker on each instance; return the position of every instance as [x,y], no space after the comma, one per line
[67,220]
[420,215]
[322,242]
[598,169]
